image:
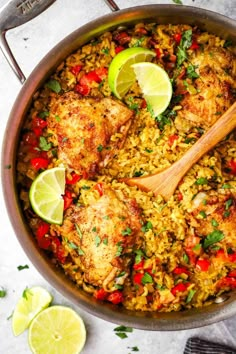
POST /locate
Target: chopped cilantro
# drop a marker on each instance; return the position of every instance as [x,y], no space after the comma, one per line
[123,329]
[134,349]
[197,247]
[122,335]
[201,181]
[227,43]
[147,226]
[214,223]
[148,150]
[202,214]
[185,258]
[138,173]
[191,72]
[106,217]
[7,167]
[78,230]
[43,144]
[3,292]
[72,245]
[185,43]
[119,249]
[94,229]
[99,148]
[54,85]
[105,51]
[213,237]
[226,214]
[43,114]
[97,240]
[57,118]
[26,292]
[226,186]
[20,267]
[190,295]
[228,204]
[147,278]
[105,241]
[126,232]
[139,255]
[178,2]
[85,187]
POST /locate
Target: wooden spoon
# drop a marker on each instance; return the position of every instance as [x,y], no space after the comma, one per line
[166,181]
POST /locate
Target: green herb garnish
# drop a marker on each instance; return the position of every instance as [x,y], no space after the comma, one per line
[213,237]
[20,267]
[54,85]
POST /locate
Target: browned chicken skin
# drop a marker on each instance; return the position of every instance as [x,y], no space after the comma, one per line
[109,230]
[82,129]
[217,74]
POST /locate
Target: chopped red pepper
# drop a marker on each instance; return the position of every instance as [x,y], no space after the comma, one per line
[158,52]
[42,230]
[181,287]
[38,124]
[68,199]
[74,178]
[122,38]
[227,282]
[116,297]
[99,188]
[83,90]
[203,265]
[172,139]
[137,278]
[232,273]
[30,138]
[101,72]
[100,294]
[180,270]
[139,266]
[180,196]
[141,30]
[119,49]
[143,104]
[39,163]
[76,69]
[232,166]
[177,38]
[194,45]
[232,257]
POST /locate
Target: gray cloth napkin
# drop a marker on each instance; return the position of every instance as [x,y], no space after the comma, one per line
[202,346]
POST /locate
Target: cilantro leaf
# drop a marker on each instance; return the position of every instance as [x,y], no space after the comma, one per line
[191,72]
[54,85]
[43,144]
[147,278]
[213,237]
[178,2]
[20,267]
[123,329]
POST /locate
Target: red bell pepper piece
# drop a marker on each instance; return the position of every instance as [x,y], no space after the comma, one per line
[38,124]
[203,265]
[122,38]
[100,294]
[177,38]
[158,52]
[116,297]
[99,188]
[232,166]
[194,45]
[76,69]
[232,273]
[137,278]
[139,266]
[180,196]
[119,49]
[74,178]
[83,90]
[42,230]
[39,163]
[30,138]
[180,270]
[144,103]
[227,282]
[68,199]
[172,138]
[181,287]
[232,257]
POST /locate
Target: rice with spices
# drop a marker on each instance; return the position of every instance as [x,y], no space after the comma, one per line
[120,244]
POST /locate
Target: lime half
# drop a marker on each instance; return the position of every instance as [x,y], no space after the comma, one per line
[155,85]
[58,329]
[33,301]
[46,195]
[120,74]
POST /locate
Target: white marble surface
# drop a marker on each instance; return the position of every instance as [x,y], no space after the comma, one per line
[30,43]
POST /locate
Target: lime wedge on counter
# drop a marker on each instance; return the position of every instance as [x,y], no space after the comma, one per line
[120,74]
[155,85]
[30,304]
[46,195]
[58,329]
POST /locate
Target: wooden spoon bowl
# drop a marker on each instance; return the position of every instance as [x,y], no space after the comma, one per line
[165,182]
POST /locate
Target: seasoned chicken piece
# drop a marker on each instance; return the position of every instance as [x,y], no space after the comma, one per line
[108,231]
[82,128]
[217,73]
[219,212]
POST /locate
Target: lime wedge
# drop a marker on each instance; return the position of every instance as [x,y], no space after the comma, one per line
[58,329]
[120,74]
[155,85]
[30,304]
[46,195]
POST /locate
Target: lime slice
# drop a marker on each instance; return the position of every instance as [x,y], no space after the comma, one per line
[30,304]
[58,329]
[120,74]
[46,195]
[155,85]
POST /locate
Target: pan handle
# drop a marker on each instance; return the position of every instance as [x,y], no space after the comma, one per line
[12,15]
[113,6]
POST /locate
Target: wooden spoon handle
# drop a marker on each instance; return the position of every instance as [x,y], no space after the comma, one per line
[224,125]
